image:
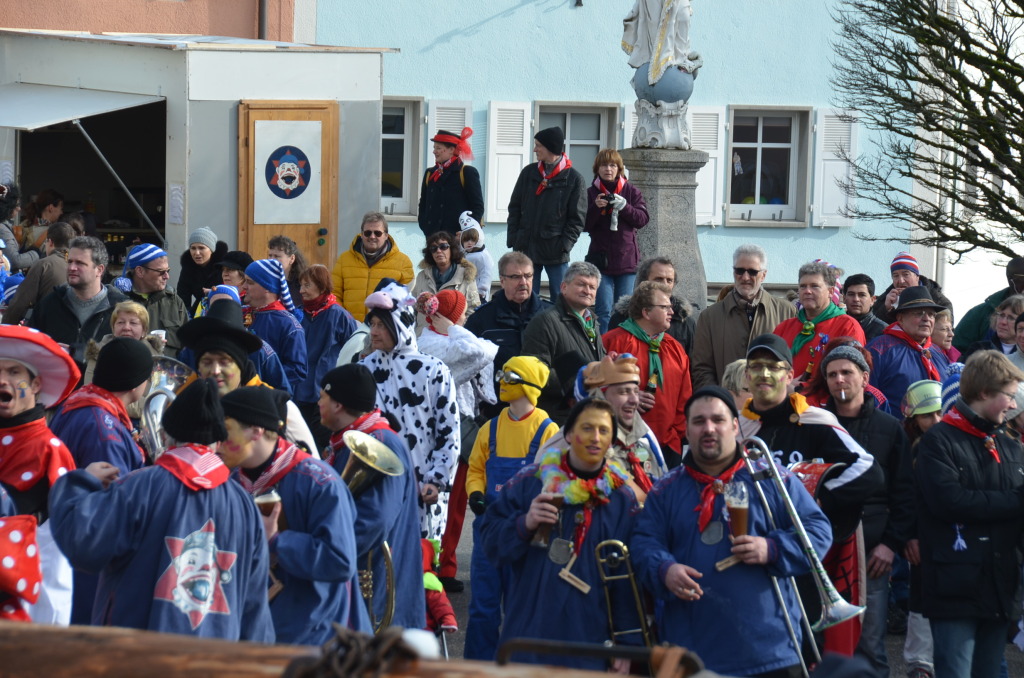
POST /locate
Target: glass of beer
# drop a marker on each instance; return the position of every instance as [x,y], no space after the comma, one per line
[542,537]
[737,502]
[266,502]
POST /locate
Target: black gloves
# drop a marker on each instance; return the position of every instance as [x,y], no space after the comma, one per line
[477,504]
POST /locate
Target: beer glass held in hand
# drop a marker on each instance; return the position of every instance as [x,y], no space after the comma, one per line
[542,537]
[737,502]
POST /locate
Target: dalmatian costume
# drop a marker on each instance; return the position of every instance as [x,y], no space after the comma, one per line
[419,391]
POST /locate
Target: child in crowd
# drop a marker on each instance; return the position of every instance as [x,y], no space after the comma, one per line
[472,240]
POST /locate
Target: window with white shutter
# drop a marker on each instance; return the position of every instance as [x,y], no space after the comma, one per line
[707,133]
[835,136]
[509,149]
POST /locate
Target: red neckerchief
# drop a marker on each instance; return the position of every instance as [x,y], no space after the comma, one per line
[286,457]
[640,476]
[582,527]
[275,306]
[20,576]
[195,465]
[563,164]
[369,422]
[956,419]
[31,451]
[320,304]
[619,183]
[92,395]
[708,492]
[439,169]
[922,349]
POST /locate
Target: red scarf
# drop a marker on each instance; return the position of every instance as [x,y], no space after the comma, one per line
[195,465]
[582,527]
[603,188]
[923,349]
[286,457]
[31,451]
[275,306]
[369,422]
[563,164]
[708,492]
[439,169]
[92,395]
[958,420]
[636,469]
[320,304]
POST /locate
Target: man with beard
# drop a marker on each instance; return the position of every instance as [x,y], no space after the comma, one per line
[179,547]
[80,311]
[149,270]
[681,535]
[889,512]
[796,431]
[35,373]
[386,511]
[313,549]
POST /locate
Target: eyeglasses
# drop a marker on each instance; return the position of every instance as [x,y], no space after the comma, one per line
[443,246]
[664,307]
[1011,396]
[761,365]
[738,272]
[510,377]
[1006,316]
[162,272]
[520,277]
[372,234]
[923,313]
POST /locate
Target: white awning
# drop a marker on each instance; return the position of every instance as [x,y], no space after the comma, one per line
[28,107]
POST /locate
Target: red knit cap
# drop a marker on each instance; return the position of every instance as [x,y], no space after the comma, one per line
[451,304]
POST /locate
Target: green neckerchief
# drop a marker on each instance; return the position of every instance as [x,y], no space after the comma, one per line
[655,376]
[587,322]
[807,333]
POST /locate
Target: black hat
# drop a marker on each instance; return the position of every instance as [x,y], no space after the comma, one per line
[916,297]
[552,138]
[255,406]
[236,259]
[222,322]
[386,317]
[771,342]
[123,364]
[195,415]
[353,386]
[713,391]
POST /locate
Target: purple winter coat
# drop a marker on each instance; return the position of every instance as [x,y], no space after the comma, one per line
[620,247]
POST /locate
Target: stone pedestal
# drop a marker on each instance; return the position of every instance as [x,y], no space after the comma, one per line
[668,179]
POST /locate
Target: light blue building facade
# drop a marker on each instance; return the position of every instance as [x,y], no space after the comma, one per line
[762,107]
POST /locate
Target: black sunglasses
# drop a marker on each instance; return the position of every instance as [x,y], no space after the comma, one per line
[443,246]
[372,234]
[752,272]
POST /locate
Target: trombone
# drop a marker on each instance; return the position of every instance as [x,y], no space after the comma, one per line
[168,378]
[834,610]
[612,555]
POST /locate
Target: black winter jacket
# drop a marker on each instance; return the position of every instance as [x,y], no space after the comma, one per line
[970,520]
[888,317]
[545,227]
[54,316]
[443,202]
[889,511]
[194,278]
[502,322]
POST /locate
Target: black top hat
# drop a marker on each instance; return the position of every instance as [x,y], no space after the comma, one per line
[236,260]
[773,343]
[223,319]
[916,297]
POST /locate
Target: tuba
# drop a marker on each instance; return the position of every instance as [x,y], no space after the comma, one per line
[368,462]
[168,378]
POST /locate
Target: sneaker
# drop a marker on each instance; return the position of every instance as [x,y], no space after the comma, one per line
[452,585]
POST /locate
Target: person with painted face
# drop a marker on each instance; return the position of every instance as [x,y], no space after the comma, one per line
[503,447]
[598,505]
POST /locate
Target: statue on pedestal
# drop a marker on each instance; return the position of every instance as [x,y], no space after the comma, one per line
[656,35]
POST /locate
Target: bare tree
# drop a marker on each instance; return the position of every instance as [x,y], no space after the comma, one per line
[939,84]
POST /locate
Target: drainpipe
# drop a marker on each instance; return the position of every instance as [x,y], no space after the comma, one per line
[262,17]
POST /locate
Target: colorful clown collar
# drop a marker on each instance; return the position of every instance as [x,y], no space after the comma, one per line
[557,477]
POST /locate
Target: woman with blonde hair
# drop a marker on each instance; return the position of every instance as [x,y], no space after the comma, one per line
[128,319]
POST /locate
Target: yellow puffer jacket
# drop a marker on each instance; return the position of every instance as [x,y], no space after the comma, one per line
[354,280]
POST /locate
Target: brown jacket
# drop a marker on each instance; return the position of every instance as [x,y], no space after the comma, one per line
[43,277]
[723,334]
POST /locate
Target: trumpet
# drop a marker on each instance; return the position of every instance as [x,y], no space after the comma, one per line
[368,462]
[168,378]
[612,555]
[834,610]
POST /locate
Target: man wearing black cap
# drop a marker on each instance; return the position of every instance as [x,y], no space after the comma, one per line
[683,532]
[179,547]
[795,432]
[904,353]
[387,509]
[315,554]
[450,187]
[221,347]
[548,208]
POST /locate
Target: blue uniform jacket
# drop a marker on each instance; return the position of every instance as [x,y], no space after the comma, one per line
[539,604]
[170,558]
[315,557]
[283,332]
[265,361]
[325,335]
[737,626]
[388,510]
[897,365]
[92,434]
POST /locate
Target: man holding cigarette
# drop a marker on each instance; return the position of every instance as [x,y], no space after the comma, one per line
[686,528]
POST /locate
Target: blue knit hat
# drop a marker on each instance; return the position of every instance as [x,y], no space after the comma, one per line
[951,386]
[141,255]
[229,290]
[270,274]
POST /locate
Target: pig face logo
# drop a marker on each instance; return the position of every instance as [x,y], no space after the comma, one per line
[287,172]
